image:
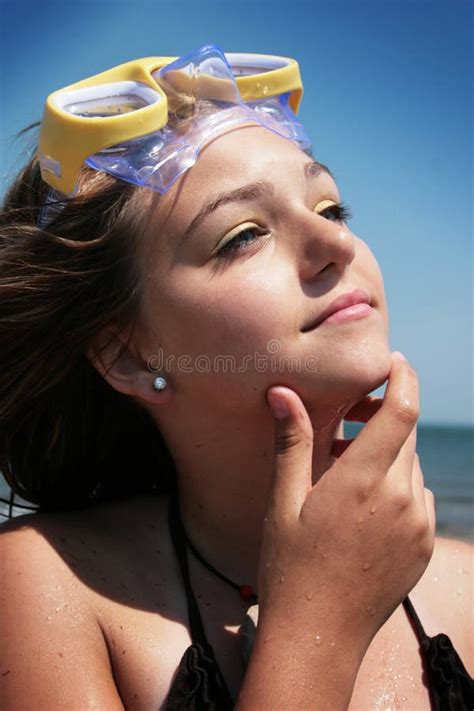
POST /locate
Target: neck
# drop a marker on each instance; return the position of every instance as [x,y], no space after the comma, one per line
[224,471]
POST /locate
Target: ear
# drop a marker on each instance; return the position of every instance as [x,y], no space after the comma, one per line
[124,370]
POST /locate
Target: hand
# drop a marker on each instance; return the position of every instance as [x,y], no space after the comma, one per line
[338,557]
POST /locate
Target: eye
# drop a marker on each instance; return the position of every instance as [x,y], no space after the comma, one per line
[241,242]
[335,212]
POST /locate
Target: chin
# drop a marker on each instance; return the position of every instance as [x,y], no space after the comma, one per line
[367,365]
[346,375]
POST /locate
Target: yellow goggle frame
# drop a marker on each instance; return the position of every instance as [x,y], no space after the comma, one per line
[67,139]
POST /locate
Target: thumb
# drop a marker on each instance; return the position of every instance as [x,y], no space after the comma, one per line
[292,463]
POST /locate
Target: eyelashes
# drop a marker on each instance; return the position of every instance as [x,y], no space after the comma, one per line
[341,210]
[234,244]
[246,238]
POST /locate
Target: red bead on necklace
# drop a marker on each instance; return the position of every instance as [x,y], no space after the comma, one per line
[246,593]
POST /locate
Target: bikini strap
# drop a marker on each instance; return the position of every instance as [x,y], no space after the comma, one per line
[198,633]
[415,620]
[178,538]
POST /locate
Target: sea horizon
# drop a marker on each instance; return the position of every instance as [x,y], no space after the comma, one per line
[446,452]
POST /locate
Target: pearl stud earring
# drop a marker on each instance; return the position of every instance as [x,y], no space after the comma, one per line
[159,383]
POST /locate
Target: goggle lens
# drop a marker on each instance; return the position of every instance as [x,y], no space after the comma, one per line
[106,106]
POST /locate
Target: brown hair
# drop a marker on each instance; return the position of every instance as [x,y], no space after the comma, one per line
[67,438]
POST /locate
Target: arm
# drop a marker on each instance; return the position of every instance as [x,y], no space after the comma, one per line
[53,654]
[288,671]
[337,556]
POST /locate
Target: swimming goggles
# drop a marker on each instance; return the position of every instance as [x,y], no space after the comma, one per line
[146,121]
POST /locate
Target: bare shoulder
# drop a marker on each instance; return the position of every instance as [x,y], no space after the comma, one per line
[443,597]
[451,566]
[30,548]
[91,608]
[452,552]
[52,643]
[83,550]
[43,548]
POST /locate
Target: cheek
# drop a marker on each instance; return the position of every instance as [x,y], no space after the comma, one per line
[244,315]
[369,268]
[238,314]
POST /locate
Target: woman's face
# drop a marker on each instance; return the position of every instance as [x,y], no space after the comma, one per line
[245,251]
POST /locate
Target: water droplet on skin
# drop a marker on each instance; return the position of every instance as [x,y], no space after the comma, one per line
[269,564]
[459,592]
[318,640]
[49,617]
[325,555]
[360,520]
[282,577]
[267,639]
[366,566]
[333,644]
[373,509]
[309,595]
[435,579]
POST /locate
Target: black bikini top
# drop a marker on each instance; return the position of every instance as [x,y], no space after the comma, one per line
[198,684]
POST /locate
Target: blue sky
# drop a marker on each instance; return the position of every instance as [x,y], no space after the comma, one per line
[388,103]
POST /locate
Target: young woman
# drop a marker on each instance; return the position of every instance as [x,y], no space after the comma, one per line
[178,357]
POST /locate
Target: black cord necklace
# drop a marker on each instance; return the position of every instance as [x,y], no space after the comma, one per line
[246,592]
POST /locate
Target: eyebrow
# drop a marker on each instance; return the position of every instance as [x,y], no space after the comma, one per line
[248,192]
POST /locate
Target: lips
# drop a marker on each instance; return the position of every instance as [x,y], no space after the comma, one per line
[350,298]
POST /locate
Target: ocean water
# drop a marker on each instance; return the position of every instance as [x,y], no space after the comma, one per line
[447,461]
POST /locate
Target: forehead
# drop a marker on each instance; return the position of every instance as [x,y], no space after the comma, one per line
[238,157]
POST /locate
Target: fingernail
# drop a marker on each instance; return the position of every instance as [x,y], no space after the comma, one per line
[278,406]
[399,356]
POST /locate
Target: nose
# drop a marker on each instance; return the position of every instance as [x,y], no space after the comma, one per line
[323,244]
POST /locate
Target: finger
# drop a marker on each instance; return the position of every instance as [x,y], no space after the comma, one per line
[377,445]
[292,464]
[404,463]
[430,503]
[339,446]
[423,496]
[417,481]
[363,410]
